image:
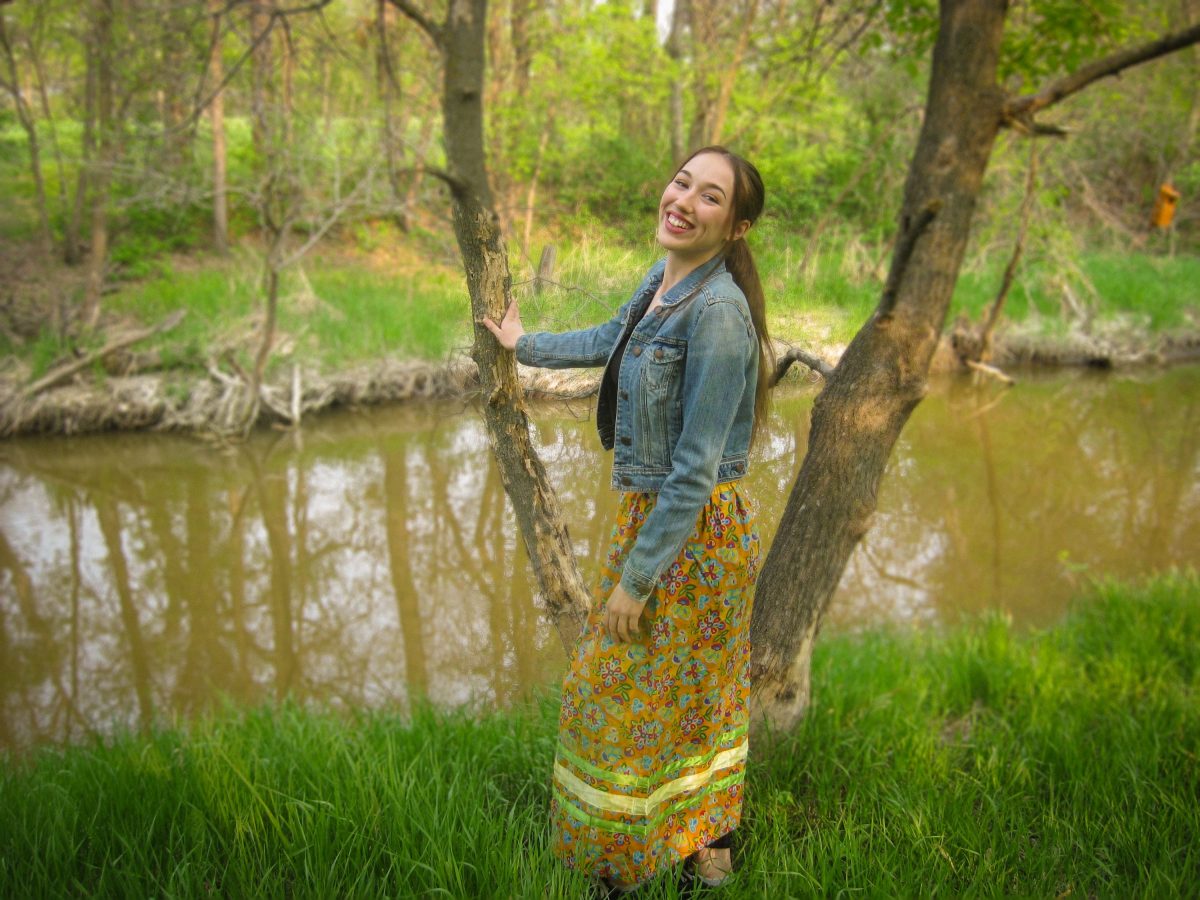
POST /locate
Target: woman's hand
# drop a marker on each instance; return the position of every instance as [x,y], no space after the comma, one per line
[509,329]
[623,615]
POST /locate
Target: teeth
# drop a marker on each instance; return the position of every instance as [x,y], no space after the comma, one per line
[676,221]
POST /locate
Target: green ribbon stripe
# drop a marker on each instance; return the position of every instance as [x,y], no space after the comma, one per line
[660,777]
[661,816]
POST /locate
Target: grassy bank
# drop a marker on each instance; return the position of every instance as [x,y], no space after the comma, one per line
[383,295]
[1059,763]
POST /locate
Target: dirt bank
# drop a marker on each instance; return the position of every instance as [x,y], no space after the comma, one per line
[207,403]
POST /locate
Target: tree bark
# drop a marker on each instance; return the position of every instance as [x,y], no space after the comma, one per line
[485,259]
[881,377]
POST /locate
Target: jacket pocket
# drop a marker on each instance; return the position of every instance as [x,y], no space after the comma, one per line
[662,408]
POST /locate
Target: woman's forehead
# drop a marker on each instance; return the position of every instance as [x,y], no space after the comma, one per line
[711,167]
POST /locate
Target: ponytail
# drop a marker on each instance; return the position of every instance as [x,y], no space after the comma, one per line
[739,262]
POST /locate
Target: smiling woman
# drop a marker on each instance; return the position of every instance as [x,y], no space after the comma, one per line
[652,733]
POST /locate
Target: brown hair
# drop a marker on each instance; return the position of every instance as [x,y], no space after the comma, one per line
[748,198]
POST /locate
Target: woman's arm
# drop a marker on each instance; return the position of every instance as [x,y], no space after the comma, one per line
[564,350]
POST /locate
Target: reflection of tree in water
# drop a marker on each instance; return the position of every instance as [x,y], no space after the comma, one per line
[378,559]
[404,588]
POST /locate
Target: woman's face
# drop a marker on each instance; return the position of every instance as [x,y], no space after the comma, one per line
[695,215]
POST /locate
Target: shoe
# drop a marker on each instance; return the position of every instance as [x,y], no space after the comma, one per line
[708,868]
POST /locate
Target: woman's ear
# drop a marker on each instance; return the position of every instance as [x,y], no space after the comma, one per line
[739,230]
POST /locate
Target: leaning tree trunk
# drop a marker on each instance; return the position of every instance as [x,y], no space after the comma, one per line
[485,259]
[881,377]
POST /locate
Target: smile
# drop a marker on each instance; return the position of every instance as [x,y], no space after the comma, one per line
[677,223]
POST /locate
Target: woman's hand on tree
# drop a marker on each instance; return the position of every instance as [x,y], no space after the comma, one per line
[623,615]
[509,329]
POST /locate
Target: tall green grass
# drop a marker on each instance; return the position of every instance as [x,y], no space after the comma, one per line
[977,762]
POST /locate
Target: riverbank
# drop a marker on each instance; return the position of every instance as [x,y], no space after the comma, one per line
[358,327]
[1063,762]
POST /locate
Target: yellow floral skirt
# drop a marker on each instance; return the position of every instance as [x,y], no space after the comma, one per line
[652,734]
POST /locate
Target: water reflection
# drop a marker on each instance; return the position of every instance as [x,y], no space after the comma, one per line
[373,558]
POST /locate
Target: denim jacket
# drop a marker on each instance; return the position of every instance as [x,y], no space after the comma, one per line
[684,402]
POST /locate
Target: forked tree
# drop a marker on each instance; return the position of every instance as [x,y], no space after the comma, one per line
[866,400]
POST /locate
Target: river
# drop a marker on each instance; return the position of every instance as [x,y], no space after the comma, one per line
[371,557]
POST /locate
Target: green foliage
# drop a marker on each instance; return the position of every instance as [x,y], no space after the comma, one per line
[979,761]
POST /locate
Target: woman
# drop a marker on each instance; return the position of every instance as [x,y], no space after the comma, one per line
[652,734]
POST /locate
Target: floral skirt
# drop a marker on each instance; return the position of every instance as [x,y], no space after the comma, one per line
[652,734]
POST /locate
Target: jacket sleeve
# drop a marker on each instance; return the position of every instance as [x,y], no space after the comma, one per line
[572,349]
[713,380]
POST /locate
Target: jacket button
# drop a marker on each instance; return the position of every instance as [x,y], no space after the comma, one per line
[636,351]
[626,480]
[626,440]
[739,468]
[624,395]
[658,354]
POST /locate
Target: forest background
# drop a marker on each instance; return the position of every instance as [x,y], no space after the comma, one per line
[273,170]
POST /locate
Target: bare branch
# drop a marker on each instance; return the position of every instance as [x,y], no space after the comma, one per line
[1023,108]
[795,354]
[426,24]
[991,372]
[334,215]
[201,104]
[1010,271]
[62,373]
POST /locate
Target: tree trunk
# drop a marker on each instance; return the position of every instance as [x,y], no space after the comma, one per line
[25,116]
[522,44]
[389,88]
[485,259]
[716,124]
[881,377]
[531,192]
[72,240]
[217,117]
[260,64]
[35,57]
[673,48]
[101,178]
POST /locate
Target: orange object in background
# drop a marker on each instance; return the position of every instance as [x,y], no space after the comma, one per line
[1164,207]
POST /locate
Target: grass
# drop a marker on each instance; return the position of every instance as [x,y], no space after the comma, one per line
[363,308]
[979,761]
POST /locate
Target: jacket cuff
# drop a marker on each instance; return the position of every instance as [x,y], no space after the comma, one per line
[636,585]
[524,349]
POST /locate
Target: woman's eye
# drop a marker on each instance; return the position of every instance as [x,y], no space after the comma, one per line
[711,198]
[679,182]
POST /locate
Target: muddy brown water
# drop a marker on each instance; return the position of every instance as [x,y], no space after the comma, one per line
[372,558]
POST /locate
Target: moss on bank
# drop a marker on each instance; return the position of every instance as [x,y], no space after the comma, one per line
[978,761]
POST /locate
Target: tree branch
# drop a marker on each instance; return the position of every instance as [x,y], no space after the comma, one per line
[62,373]
[427,25]
[795,354]
[1023,108]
